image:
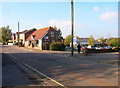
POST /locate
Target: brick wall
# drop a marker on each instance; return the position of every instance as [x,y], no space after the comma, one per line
[46,42]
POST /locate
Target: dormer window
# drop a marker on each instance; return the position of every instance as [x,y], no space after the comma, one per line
[33,36]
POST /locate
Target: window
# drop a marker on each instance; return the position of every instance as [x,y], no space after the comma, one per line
[33,36]
[52,34]
[46,37]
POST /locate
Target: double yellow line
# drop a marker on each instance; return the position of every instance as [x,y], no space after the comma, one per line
[38,72]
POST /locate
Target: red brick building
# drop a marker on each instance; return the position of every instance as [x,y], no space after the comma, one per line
[41,38]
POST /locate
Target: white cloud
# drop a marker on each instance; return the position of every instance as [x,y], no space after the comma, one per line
[96,8]
[65,26]
[108,16]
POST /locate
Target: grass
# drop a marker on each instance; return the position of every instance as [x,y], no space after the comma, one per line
[75,50]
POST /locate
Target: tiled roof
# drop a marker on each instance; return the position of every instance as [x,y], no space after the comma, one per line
[39,33]
[21,32]
[29,30]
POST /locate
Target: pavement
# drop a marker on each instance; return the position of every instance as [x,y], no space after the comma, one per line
[79,70]
[14,75]
[106,58]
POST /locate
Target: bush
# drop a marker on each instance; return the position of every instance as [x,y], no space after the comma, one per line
[5,43]
[116,49]
[19,45]
[16,43]
[57,46]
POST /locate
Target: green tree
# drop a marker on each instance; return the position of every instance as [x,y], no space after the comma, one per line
[0,35]
[108,41]
[113,42]
[91,41]
[5,34]
[55,27]
[118,42]
[102,39]
[77,37]
[59,33]
[68,40]
[105,39]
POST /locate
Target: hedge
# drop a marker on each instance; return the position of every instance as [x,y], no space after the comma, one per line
[116,49]
[57,46]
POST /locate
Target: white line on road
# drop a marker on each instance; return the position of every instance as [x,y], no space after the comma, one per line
[39,72]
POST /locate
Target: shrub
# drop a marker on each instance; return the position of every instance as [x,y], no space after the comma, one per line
[57,46]
[19,45]
[116,49]
[16,43]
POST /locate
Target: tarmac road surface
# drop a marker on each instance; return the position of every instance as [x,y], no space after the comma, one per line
[66,71]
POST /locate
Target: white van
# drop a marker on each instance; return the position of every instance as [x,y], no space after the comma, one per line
[90,47]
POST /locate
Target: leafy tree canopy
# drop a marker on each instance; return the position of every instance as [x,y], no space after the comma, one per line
[5,34]
[91,41]
[59,33]
[102,39]
[115,42]
[77,37]
[68,40]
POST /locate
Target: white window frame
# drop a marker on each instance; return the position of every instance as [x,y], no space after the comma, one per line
[52,34]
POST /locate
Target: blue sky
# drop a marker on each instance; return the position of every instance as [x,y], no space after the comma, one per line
[91,18]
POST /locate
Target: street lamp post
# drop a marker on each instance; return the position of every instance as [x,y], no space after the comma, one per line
[72,22]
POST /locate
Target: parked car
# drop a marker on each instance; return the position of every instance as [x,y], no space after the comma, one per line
[98,48]
[10,44]
[90,47]
[113,48]
[102,48]
[108,47]
[67,47]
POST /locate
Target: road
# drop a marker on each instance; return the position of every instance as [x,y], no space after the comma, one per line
[61,71]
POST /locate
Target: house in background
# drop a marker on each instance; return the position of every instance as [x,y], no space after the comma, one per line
[41,38]
[22,36]
[15,37]
[84,42]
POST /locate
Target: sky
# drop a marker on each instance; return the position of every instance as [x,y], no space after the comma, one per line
[90,18]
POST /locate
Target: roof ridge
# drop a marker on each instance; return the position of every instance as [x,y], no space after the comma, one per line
[44,28]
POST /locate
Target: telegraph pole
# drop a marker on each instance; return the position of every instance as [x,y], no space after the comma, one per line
[18,35]
[72,22]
